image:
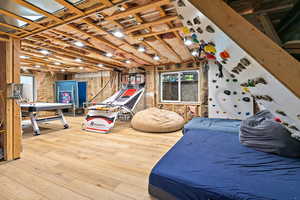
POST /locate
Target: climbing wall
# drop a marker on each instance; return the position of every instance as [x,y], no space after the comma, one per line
[226,98]
[252,77]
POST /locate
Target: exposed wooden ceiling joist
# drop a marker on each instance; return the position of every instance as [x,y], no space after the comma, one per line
[138,9]
[140,36]
[149,24]
[167,46]
[90,22]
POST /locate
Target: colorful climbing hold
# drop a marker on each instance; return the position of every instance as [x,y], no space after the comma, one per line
[186,30]
[224,55]
[227,92]
[180,3]
[245,61]
[210,29]
[246,99]
[280,112]
[199,30]
[197,21]
[210,49]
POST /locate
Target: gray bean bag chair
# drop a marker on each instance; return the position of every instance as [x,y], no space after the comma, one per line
[263,133]
[156,120]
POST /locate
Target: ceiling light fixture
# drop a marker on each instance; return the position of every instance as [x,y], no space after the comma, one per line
[57,63]
[156,57]
[109,54]
[63,70]
[100,65]
[121,8]
[80,68]
[127,61]
[118,33]
[37,66]
[44,51]
[79,44]
[24,57]
[78,60]
[141,49]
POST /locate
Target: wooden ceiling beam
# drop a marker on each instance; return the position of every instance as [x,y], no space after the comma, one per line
[38,10]
[102,40]
[138,9]
[107,3]
[141,36]
[12,15]
[75,55]
[88,47]
[8,34]
[71,36]
[13,27]
[81,51]
[167,46]
[70,7]
[149,24]
[89,21]
[52,59]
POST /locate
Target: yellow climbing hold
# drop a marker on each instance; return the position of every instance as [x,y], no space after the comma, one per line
[186,30]
[245,89]
[210,49]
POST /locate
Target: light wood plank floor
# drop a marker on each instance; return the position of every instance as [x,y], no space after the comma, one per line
[76,165]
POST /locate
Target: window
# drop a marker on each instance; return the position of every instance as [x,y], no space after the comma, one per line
[28,88]
[179,86]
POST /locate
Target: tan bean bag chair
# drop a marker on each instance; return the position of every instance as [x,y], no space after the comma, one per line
[156,120]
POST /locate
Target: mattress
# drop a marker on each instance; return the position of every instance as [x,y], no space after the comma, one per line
[201,123]
[212,164]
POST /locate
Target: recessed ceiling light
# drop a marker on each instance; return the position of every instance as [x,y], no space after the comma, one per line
[109,54]
[118,33]
[24,57]
[121,8]
[141,49]
[63,70]
[78,60]
[195,53]
[44,51]
[57,63]
[79,44]
[80,67]
[100,65]
[156,57]
[38,66]
[128,61]
[188,41]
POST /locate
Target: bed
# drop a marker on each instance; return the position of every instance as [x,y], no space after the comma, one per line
[209,163]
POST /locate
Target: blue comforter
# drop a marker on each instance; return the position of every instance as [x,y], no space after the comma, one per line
[210,163]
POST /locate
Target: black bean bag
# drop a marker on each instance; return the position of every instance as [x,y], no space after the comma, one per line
[263,133]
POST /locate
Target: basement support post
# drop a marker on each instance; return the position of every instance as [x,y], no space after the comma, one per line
[9,109]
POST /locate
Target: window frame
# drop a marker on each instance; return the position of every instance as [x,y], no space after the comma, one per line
[179,87]
[34,89]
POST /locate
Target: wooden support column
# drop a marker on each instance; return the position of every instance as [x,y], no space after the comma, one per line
[266,52]
[10,110]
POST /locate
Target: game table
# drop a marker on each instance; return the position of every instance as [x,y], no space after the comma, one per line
[33,108]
